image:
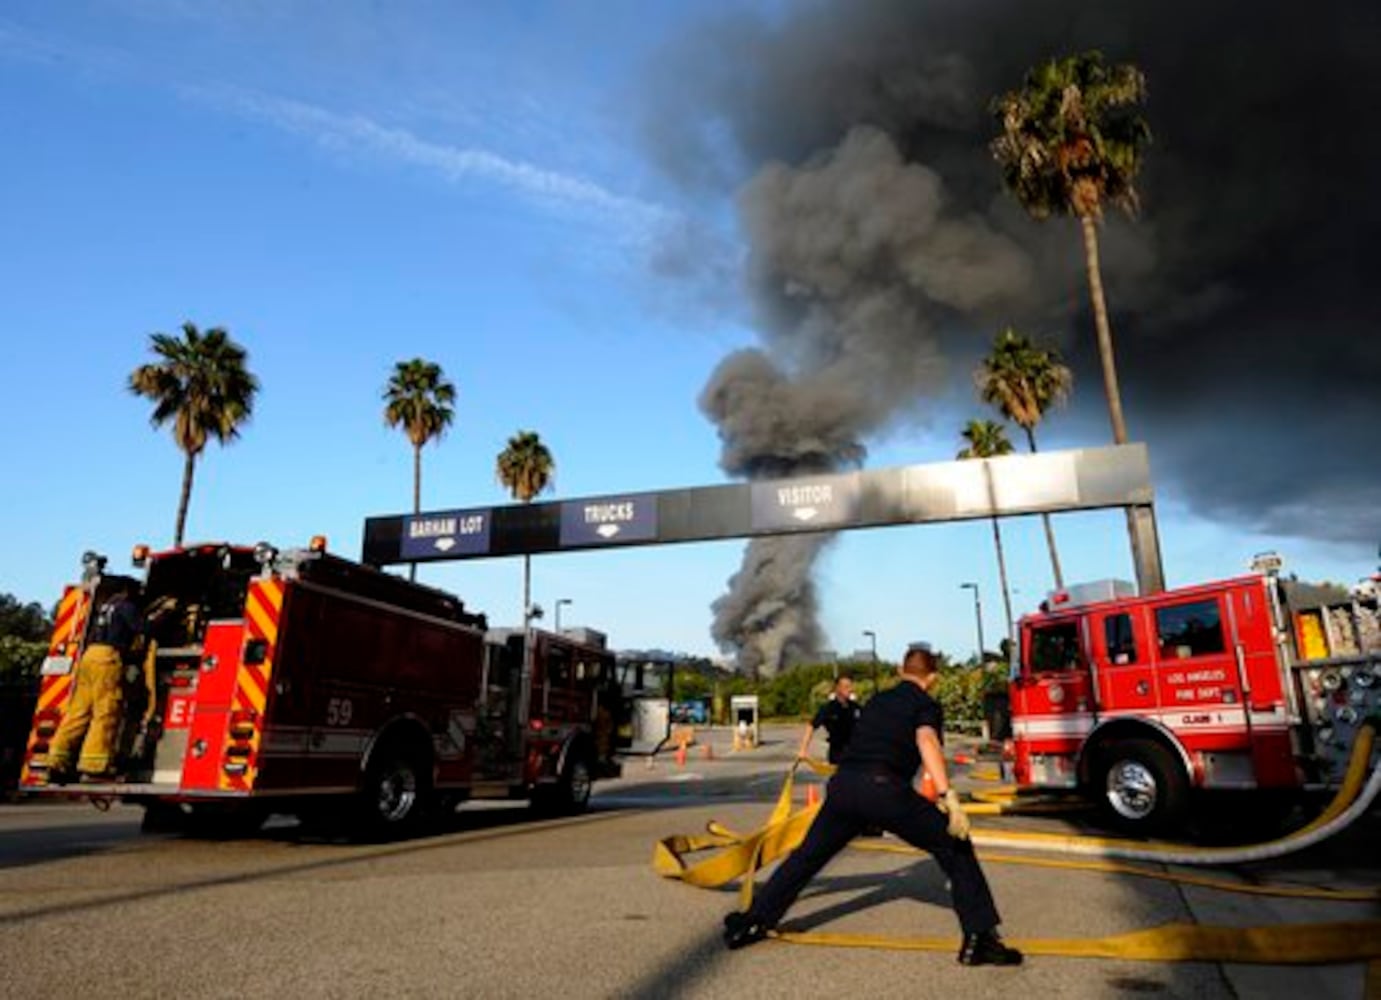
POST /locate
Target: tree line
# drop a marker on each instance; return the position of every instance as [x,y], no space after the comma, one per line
[24,632]
[797,692]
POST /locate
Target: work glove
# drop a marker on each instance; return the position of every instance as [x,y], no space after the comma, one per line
[141,745]
[958,819]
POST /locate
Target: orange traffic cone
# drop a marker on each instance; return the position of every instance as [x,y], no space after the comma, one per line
[681,755]
[928,786]
[812,796]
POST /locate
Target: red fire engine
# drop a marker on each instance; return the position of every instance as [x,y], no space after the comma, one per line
[301,682]
[1257,682]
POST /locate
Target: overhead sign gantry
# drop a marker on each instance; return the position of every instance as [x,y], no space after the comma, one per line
[1012,485]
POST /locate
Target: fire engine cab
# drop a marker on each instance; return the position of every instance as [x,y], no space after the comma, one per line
[301,682]
[1256,682]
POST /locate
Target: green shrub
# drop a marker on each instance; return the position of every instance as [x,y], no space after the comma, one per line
[960,691]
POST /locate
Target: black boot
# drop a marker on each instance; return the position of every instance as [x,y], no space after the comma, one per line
[741,930]
[987,948]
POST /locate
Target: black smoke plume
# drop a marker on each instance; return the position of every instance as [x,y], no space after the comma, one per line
[880,244]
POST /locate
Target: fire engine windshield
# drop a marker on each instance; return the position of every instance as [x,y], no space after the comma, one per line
[1055,648]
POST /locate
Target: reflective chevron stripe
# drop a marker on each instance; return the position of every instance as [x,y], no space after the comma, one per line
[55,689]
[245,723]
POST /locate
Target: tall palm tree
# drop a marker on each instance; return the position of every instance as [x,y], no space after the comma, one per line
[526,469]
[988,439]
[418,399]
[1072,141]
[1024,381]
[202,385]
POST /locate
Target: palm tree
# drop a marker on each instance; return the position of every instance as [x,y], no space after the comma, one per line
[526,469]
[987,439]
[1024,381]
[418,399]
[1072,141]
[200,384]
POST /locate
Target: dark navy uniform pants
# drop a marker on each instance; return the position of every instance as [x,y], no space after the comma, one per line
[855,801]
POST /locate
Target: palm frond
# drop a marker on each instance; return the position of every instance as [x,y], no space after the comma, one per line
[201,385]
[418,399]
[525,467]
[1072,137]
[1022,379]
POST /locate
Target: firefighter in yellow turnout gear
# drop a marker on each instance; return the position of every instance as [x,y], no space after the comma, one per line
[91,724]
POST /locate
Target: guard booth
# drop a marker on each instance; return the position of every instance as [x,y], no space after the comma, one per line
[649,724]
[743,713]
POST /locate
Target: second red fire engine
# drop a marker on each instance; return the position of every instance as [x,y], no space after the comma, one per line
[1256,682]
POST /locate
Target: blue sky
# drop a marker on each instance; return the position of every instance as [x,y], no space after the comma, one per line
[343,185]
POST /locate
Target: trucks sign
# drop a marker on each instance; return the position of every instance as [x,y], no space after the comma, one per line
[609,520]
[445,534]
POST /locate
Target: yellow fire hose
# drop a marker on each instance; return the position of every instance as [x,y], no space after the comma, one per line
[741,856]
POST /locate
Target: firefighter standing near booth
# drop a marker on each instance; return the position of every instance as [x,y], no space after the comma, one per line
[898,731]
[91,723]
[838,716]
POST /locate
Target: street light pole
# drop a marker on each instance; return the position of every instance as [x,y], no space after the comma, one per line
[556,624]
[873,641]
[977,616]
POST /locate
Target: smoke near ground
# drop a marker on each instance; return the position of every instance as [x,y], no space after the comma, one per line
[856,265]
[768,615]
[880,246]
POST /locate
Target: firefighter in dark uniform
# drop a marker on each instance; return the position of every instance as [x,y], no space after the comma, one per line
[91,723]
[837,716]
[898,731]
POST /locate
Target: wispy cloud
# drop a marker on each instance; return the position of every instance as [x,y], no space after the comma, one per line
[632,220]
[454,164]
[20,44]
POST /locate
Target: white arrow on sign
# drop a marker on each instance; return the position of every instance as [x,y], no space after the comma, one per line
[804,513]
[607,530]
[445,544]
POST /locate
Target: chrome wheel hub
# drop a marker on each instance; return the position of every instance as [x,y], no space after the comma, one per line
[580,782]
[397,793]
[1131,789]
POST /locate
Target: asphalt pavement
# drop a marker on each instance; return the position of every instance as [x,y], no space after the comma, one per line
[500,905]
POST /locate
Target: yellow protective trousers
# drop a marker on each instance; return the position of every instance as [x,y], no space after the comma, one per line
[92,721]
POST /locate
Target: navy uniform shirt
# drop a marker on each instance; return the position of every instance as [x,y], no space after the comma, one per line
[838,718]
[885,737]
[117,624]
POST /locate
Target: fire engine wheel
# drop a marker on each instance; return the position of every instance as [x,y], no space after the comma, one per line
[1140,786]
[577,784]
[394,796]
[570,794]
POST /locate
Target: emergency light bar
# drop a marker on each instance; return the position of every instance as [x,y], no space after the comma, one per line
[1092,592]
